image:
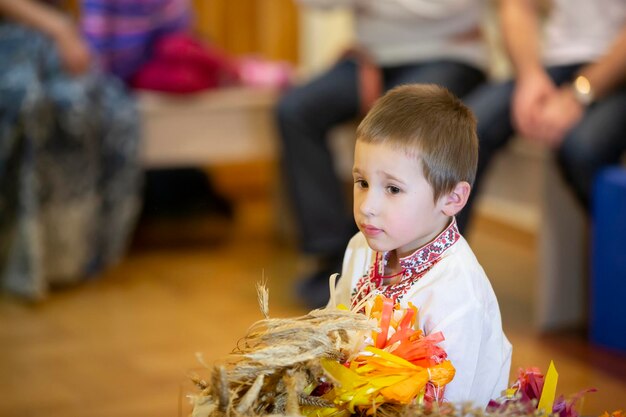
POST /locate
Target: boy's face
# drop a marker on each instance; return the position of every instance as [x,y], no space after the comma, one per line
[393,202]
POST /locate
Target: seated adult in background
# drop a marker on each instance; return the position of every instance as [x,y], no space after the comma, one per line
[69,136]
[569,91]
[398,42]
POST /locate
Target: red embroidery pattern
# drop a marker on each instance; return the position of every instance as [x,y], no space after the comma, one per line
[415,267]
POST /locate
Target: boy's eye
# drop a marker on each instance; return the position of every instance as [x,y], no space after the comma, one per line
[361,183]
[393,189]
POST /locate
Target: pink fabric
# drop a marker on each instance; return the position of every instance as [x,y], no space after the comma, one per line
[257,72]
[182,64]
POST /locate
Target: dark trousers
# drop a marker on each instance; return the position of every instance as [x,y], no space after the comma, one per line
[598,140]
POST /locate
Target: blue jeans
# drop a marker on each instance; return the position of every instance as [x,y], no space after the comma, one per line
[308,112]
[598,140]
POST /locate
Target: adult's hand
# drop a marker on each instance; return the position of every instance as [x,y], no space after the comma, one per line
[532,92]
[73,50]
[42,17]
[560,114]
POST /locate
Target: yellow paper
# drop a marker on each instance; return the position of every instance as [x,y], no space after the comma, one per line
[549,390]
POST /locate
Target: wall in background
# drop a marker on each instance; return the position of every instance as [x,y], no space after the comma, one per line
[324,35]
[269,28]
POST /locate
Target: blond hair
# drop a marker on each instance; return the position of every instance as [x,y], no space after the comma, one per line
[430,122]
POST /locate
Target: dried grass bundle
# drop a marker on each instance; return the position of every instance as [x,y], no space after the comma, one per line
[271,366]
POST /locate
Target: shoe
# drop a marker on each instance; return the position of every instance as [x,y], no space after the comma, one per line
[182,192]
[314,290]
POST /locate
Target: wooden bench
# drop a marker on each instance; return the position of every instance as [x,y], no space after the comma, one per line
[218,126]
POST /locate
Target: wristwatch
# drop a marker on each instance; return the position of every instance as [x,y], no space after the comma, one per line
[582,90]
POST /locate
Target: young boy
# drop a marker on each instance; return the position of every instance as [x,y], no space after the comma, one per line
[415,160]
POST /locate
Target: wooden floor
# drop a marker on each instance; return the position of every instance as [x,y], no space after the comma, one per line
[122,345]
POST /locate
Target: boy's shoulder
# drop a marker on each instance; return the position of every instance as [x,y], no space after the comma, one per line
[457,267]
[461,255]
[461,270]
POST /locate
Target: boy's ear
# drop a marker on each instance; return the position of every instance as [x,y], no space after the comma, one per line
[456,199]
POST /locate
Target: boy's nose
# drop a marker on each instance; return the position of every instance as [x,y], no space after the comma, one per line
[368,205]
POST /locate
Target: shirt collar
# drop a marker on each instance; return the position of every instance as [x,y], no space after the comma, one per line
[431,252]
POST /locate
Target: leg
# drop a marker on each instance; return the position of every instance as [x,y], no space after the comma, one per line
[325,224]
[459,78]
[26,124]
[97,139]
[491,105]
[597,141]
[305,115]
[120,174]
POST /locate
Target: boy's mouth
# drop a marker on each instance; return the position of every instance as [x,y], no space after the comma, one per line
[369,230]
